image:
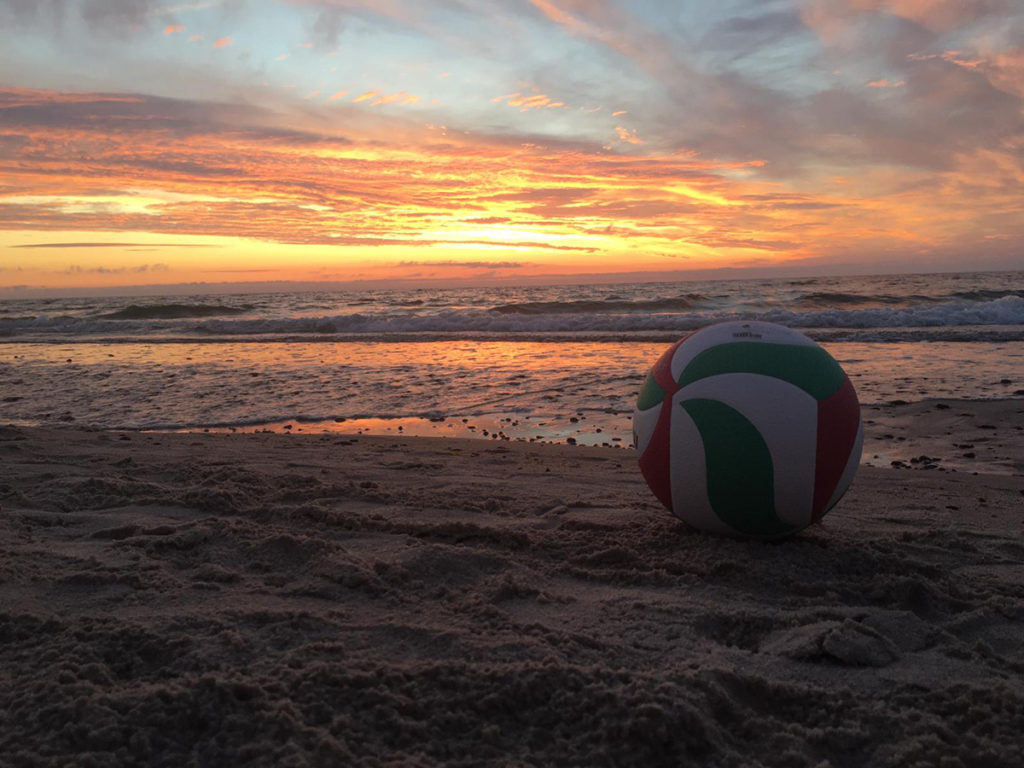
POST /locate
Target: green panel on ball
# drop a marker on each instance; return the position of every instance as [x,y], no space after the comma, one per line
[810,368]
[740,474]
[651,394]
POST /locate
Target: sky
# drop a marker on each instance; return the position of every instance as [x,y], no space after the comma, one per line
[155,142]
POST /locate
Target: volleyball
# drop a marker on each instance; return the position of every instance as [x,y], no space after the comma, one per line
[748,428]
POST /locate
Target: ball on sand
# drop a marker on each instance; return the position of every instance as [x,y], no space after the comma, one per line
[748,428]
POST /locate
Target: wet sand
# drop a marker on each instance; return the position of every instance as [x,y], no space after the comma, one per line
[273,599]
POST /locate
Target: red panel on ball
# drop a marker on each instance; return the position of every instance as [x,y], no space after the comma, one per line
[838,422]
[654,462]
[663,369]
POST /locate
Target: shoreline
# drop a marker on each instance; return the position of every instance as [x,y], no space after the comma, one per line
[325,599]
[433,389]
[958,434]
[965,435]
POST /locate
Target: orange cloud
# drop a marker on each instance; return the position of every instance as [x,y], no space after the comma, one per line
[401,97]
[627,136]
[528,102]
[170,30]
[338,95]
[100,167]
[223,42]
[883,83]
[377,97]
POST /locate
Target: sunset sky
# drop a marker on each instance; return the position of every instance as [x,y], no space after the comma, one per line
[228,141]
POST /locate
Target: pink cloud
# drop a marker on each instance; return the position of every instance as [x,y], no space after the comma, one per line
[955,57]
[223,42]
[833,19]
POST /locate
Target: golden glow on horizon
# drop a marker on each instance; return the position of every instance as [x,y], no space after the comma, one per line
[114,201]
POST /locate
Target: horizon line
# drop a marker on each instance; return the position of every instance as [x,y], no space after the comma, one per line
[781,272]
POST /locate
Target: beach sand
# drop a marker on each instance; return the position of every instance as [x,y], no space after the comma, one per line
[291,600]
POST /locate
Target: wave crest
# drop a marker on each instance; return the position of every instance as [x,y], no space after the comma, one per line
[611,304]
[173,311]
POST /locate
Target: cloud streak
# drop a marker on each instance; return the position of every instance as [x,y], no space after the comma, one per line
[467,264]
[139,269]
[92,244]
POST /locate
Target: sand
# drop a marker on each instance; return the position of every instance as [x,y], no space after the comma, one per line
[292,600]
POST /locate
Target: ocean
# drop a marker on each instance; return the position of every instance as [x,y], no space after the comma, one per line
[558,363]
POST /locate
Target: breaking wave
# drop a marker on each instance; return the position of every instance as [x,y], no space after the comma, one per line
[611,304]
[173,311]
[1001,318]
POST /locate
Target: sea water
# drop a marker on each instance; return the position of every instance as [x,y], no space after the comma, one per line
[559,363]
